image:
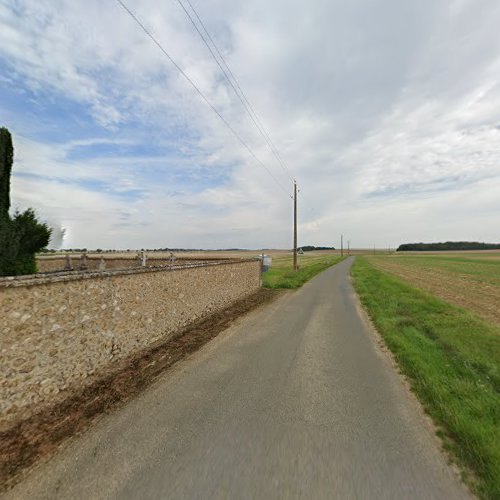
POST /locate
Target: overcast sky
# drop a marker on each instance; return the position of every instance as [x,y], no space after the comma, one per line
[387,112]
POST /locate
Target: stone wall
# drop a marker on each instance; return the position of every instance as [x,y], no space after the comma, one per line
[61,331]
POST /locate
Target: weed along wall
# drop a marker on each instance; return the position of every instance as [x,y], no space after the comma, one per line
[61,331]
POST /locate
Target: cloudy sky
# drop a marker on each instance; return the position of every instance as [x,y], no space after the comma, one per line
[387,113]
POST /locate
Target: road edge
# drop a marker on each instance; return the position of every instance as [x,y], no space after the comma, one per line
[35,440]
[384,352]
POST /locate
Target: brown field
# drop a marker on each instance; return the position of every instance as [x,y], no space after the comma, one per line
[210,254]
[470,279]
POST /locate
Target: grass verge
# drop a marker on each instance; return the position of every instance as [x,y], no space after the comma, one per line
[282,275]
[452,359]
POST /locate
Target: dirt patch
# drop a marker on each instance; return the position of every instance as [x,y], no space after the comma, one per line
[461,290]
[40,435]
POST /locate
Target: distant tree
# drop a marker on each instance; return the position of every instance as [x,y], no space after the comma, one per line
[310,248]
[22,235]
[448,245]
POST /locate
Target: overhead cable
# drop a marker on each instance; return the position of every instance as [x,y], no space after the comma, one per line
[201,94]
[230,77]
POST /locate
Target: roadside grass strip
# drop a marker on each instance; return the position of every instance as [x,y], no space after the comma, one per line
[452,360]
[282,275]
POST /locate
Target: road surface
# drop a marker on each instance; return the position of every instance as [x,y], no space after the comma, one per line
[295,401]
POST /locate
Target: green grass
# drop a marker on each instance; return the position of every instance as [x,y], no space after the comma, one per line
[452,359]
[282,275]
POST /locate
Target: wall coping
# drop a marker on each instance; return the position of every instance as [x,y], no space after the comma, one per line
[62,276]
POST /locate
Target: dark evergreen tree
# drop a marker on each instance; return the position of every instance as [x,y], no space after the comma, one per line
[8,247]
[21,236]
[7,252]
[6,160]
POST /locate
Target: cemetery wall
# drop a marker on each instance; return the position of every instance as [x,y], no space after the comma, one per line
[59,332]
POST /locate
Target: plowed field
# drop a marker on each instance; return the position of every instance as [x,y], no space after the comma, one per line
[471,281]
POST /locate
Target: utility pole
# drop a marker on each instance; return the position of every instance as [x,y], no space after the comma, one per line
[341,245]
[294,225]
[348,247]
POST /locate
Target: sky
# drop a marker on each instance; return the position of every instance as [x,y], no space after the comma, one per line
[387,113]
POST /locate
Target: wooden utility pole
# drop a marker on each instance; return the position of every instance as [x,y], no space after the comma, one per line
[341,245]
[295,226]
[348,247]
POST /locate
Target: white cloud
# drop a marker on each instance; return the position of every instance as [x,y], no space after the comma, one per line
[387,113]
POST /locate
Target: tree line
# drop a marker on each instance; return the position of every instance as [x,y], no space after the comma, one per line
[447,245]
[310,248]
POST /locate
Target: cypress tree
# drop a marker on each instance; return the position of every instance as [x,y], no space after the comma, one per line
[6,159]
[7,241]
[21,236]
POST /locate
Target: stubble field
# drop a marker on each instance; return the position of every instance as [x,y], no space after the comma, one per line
[440,316]
[468,280]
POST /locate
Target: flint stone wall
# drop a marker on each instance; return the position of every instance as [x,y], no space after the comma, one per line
[60,332]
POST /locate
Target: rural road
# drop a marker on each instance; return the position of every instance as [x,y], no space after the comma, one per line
[294,401]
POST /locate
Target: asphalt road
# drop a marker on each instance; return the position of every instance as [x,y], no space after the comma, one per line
[295,401]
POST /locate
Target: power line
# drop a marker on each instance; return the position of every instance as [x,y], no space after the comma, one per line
[201,94]
[266,134]
[237,89]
